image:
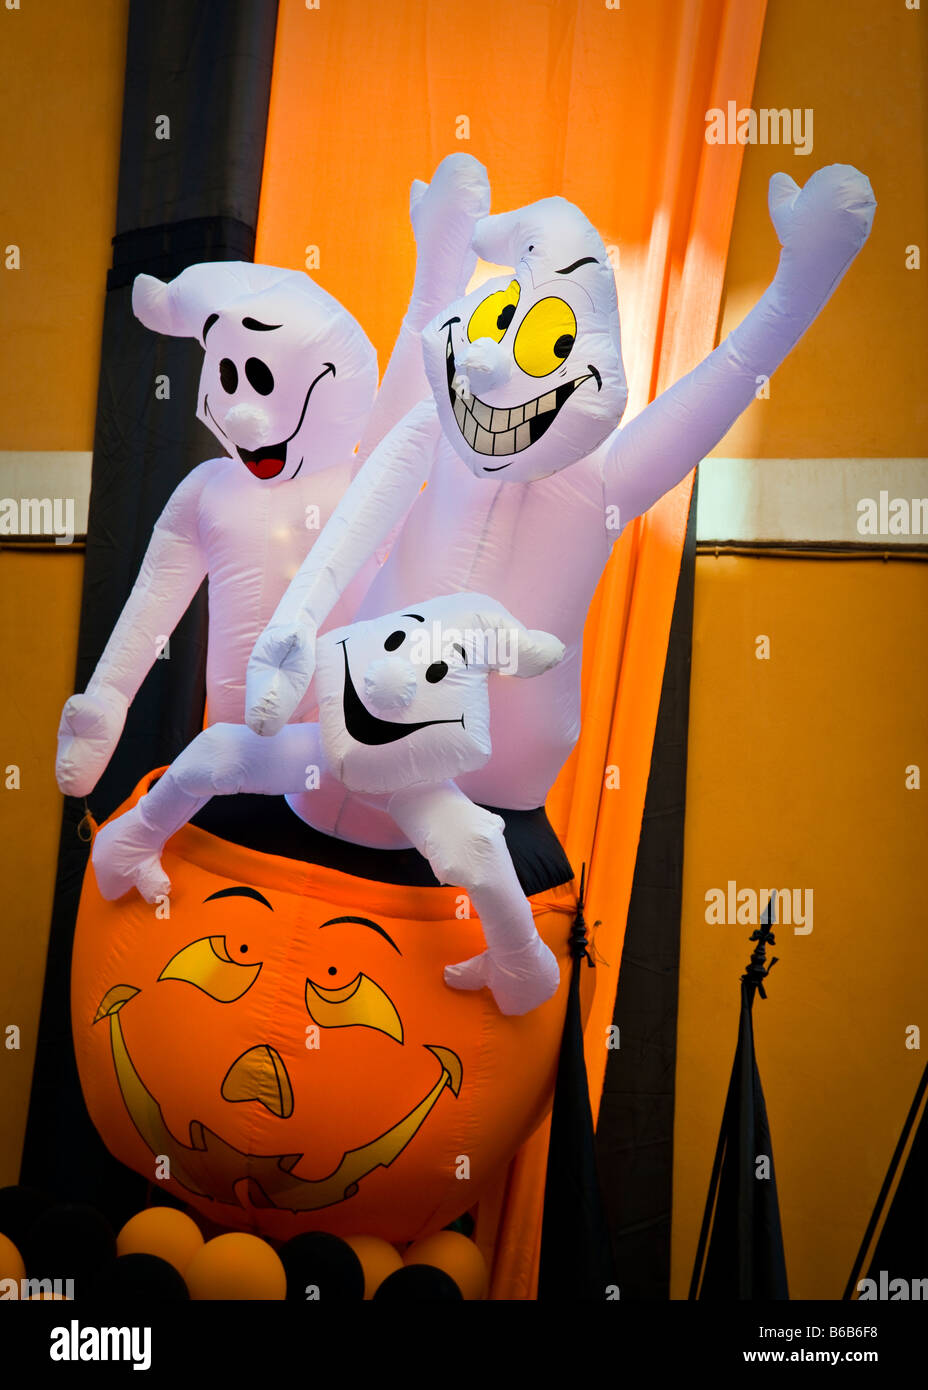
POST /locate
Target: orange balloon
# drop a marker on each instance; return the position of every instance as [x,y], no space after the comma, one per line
[378,1259]
[163,1231]
[11,1261]
[457,1256]
[236,1266]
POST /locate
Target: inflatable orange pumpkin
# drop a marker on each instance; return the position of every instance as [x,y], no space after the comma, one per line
[280,1048]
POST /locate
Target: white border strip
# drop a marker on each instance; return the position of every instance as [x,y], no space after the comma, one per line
[44,494]
[882,502]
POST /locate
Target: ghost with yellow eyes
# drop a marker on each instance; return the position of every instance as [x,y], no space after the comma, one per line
[530,478]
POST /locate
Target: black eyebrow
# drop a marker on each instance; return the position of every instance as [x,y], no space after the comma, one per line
[584,260]
[458,648]
[240,893]
[260,327]
[363,922]
[208,324]
[413,615]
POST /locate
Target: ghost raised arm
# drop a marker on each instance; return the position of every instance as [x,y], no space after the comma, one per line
[821,228]
[444,213]
[283,660]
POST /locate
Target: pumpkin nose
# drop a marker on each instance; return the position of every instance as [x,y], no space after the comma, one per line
[259,1074]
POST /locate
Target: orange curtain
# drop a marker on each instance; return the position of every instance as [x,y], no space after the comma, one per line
[605,106]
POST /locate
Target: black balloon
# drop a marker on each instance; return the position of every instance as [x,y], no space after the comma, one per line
[419,1284]
[316,1260]
[69,1241]
[139,1278]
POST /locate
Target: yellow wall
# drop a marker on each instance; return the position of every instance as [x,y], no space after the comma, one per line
[61,66]
[796,764]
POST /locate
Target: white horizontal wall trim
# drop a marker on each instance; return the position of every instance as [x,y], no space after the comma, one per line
[832,499]
[814,500]
[30,478]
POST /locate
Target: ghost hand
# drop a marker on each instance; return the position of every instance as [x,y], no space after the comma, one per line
[821,226]
[89,731]
[444,214]
[280,670]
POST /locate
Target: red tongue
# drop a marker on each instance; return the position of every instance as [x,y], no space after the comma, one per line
[266,468]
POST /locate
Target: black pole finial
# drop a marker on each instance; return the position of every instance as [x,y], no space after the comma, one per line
[757,970]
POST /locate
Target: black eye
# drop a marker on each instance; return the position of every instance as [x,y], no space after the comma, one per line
[260,376]
[393,641]
[563,345]
[228,375]
[436,672]
[505,318]
[244,950]
[333,969]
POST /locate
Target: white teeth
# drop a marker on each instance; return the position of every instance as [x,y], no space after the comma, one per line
[483,413]
[547,402]
[460,412]
[515,416]
[530,408]
[483,441]
[448,348]
[470,429]
[523,437]
[505,442]
[461,387]
[500,420]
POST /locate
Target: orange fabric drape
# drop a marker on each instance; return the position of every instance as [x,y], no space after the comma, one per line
[605,106]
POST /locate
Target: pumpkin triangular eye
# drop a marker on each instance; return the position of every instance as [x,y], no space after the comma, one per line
[208,966]
[359,1004]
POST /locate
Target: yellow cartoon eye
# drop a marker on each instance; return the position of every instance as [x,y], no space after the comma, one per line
[494,314]
[360,1003]
[207,965]
[545,337]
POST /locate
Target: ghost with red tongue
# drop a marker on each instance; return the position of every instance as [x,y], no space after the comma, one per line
[287,387]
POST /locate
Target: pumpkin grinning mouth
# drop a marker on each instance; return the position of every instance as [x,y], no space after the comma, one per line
[211,1167]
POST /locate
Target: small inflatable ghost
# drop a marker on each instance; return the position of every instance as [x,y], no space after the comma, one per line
[403,710]
[287,385]
[530,479]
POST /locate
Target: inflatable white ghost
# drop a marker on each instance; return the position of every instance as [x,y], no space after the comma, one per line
[287,385]
[403,711]
[530,480]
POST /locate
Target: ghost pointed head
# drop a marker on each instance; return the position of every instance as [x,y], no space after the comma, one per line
[553,385]
[288,376]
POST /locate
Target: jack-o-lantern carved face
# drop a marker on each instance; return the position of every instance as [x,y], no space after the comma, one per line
[281,1051]
[209,1165]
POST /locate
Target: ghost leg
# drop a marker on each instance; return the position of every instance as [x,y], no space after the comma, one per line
[465,845]
[223,760]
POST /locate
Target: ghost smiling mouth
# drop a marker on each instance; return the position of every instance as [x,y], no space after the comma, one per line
[497,430]
[365,727]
